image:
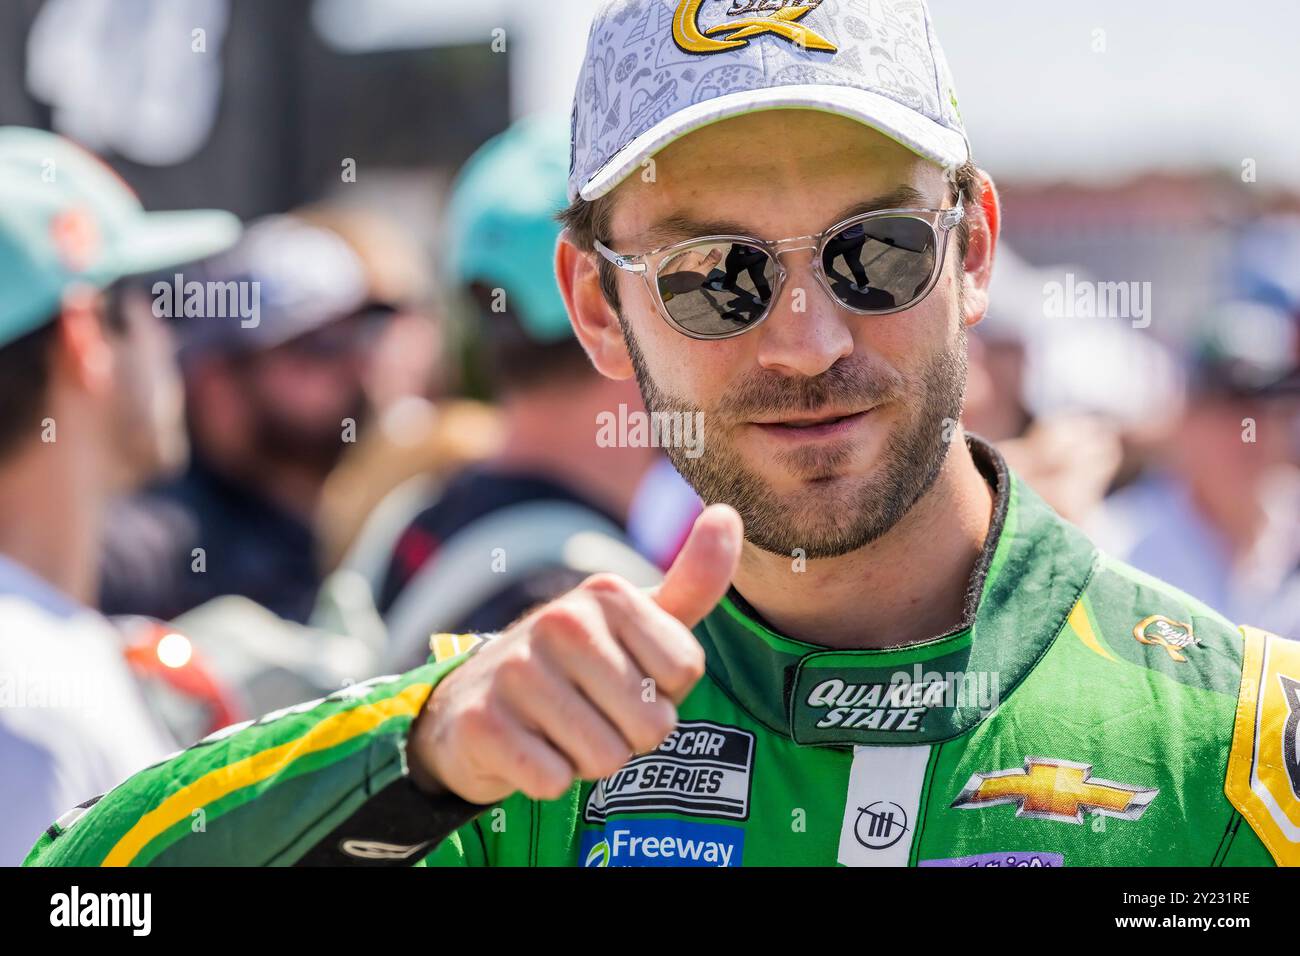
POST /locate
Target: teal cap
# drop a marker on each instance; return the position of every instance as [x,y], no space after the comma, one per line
[66,218]
[502,226]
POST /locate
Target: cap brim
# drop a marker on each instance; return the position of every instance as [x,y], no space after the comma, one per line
[161,240]
[928,139]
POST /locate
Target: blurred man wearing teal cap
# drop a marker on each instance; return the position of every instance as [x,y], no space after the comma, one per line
[89,406]
[502,226]
[70,229]
[501,251]
[66,218]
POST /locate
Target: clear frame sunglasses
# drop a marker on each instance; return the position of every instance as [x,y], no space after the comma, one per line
[717,287]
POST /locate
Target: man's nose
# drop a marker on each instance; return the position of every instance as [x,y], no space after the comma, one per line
[807,331]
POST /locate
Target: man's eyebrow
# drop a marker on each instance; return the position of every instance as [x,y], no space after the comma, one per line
[679,226]
[904,197]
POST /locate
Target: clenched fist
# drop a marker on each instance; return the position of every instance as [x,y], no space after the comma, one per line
[562,694]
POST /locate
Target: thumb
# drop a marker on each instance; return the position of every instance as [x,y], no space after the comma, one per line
[704,567]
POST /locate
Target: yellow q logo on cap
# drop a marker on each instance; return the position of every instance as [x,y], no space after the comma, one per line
[736,33]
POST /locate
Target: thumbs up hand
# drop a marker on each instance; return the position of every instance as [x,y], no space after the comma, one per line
[579,686]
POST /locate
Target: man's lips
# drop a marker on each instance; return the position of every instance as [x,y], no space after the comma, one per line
[808,427]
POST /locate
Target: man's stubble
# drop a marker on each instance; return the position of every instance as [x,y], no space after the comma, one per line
[837,514]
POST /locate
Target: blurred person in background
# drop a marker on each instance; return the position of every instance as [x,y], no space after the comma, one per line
[511,514]
[407,358]
[272,401]
[1069,455]
[419,431]
[663,513]
[89,407]
[1217,512]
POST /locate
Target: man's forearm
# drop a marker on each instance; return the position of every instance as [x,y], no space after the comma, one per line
[324,782]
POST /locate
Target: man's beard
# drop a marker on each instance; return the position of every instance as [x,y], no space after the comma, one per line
[278,440]
[827,524]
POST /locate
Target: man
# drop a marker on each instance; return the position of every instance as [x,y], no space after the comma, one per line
[89,407]
[274,394]
[405,383]
[500,537]
[908,660]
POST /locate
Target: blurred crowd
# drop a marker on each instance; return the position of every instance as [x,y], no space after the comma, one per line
[242,465]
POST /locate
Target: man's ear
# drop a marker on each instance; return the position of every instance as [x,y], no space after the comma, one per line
[980,250]
[85,355]
[594,322]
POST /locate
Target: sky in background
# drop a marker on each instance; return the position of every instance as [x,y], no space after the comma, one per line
[1180,84]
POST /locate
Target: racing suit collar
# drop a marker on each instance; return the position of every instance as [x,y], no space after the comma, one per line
[1030,573]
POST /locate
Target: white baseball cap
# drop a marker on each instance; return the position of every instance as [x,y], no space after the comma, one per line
[656,70]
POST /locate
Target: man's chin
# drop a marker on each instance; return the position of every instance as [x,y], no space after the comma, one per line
[797,480]
[810,515]
[809,535]
[824,514]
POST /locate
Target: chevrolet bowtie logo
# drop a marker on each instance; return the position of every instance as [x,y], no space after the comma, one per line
[736,33]
[1059,790]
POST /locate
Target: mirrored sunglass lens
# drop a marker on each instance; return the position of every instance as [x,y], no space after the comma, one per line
[880,264]
[717,288]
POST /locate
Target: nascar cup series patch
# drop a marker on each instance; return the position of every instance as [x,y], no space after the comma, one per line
[701,769]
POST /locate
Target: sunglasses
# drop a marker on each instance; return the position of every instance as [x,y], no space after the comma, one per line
[717,287]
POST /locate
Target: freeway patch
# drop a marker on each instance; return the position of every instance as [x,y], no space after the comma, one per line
[662,843]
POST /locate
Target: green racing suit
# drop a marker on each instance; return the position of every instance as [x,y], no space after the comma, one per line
[1082,714]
